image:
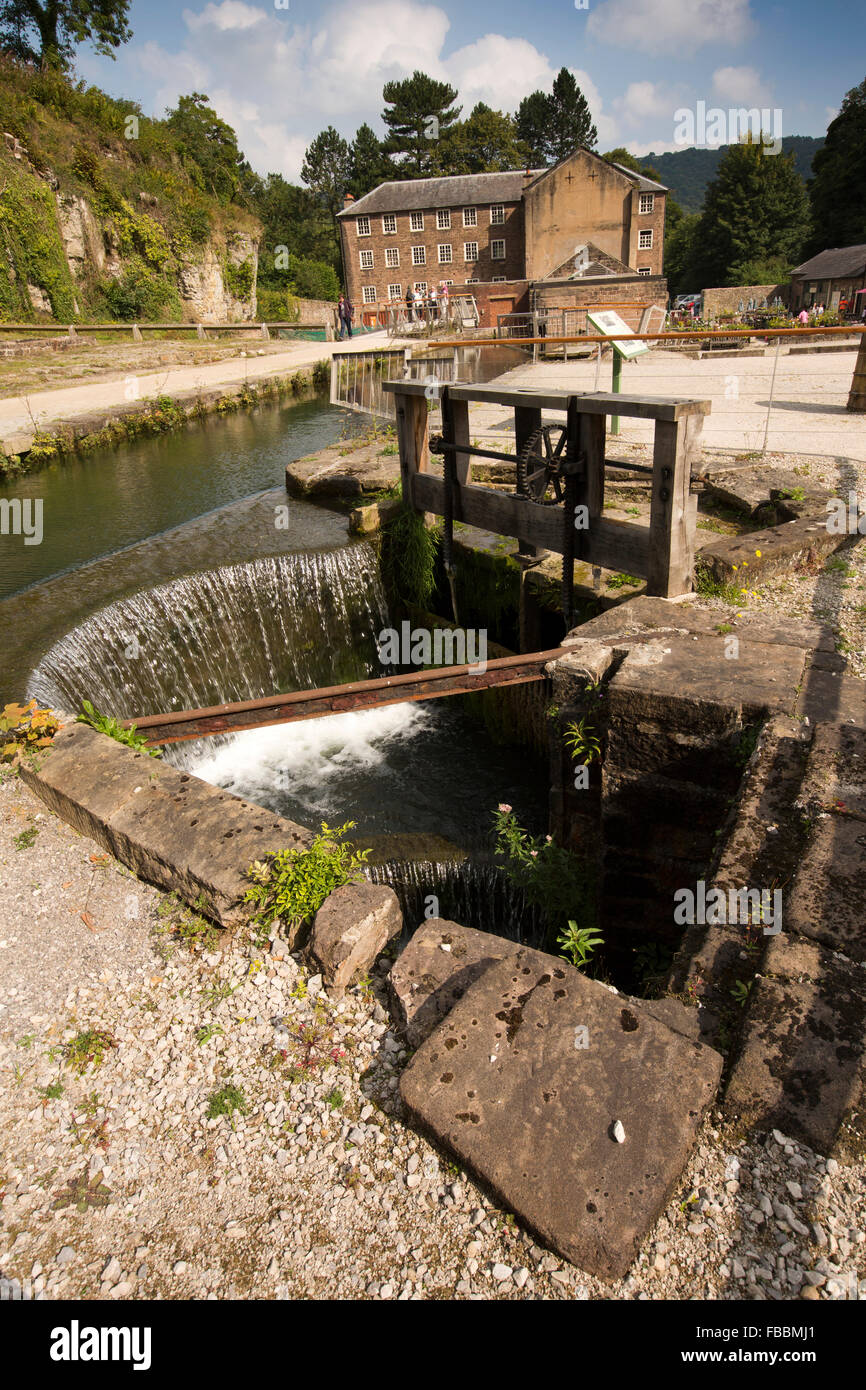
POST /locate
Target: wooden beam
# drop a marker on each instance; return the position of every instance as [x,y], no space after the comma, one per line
[672,529]
[616,545]
[179,725]
[590,403]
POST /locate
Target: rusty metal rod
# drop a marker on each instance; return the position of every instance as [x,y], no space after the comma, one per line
[667,334]
[177,725]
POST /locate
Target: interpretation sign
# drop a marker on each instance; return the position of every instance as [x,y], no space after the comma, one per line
[607,322]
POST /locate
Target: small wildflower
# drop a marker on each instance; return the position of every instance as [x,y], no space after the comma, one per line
[504,807]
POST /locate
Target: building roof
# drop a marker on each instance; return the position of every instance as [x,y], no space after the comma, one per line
[464,190]
[460,190]
[831,265]
[644,184]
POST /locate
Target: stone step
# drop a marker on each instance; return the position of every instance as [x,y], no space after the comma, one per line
[802,1064]
[752,559]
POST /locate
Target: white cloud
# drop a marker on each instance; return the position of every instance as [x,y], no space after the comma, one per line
[741,86]
[654,26]
[231,14]
[644,102]
[279,82]
[498,71]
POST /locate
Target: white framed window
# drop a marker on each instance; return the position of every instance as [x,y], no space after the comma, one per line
[473,281]
[395,291]
[645,239]
[392,256]
[389,223]
[470,250]
[443,220]
[419,255]
[448,282]
[363,225]
[416,221]
[646,202]
[497,215]
[420,287]
[470,217]
[643,270]
[369,294]
[445,255]
[497,250]
[366,260]
[498,278]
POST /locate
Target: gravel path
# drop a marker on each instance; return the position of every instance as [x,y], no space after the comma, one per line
[115,1182]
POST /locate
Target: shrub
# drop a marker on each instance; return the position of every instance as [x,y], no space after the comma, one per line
[105,724]
[290,885]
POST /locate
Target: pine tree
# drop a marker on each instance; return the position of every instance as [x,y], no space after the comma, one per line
[553,126]
[531,123]
[571,124]
[838,189]
[419,112]
[755,211]
[370,164]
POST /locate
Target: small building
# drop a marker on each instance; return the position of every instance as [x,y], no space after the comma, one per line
[830,277]
[580,229]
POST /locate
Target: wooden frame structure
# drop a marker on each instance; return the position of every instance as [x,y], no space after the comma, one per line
[662,553]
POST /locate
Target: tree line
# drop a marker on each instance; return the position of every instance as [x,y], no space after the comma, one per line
[759,217]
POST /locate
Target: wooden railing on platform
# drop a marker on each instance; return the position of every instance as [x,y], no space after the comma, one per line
[662,553]
[178,725]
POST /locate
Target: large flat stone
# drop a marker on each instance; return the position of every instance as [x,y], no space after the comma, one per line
[833,698]
[755,558]
[651,619]
[836,769]
[825,903]
[169,827]
[802,1066]
[506,1085]
[340,471]
[436,968]
[690,684]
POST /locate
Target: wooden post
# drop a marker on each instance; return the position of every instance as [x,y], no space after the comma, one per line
[672,517]
[527,419]
[857,397]
[136,333]
[590,488]
[412,436]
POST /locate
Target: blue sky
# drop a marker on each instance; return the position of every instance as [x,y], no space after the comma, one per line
[281,70]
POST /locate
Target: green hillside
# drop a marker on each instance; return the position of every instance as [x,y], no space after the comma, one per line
[688,172]
[107,214]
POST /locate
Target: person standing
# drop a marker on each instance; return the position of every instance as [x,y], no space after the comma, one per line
[341,315]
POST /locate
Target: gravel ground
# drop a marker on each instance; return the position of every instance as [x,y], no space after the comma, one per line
[114,1182]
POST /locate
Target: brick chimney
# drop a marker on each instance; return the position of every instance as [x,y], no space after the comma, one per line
[348,200]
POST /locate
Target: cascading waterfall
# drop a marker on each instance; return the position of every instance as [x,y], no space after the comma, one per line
[289,622]
[295,622]
[473,892]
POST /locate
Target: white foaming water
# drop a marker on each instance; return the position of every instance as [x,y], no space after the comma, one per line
[307,759]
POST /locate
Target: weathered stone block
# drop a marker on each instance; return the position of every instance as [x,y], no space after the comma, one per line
[351,928]
[169,827]
[524,1082]
[802,1066]
[825,902]
[435,970]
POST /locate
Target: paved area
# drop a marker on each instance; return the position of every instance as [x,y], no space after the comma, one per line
[808,414]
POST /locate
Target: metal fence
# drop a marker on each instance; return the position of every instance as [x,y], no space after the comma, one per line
[357,377]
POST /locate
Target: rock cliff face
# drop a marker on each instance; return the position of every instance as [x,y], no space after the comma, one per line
[97,240]
[203,286]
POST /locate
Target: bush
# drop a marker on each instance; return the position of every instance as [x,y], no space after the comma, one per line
[141,294]
[290,885]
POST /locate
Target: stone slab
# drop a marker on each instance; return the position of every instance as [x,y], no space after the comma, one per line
[802,1065]
[505,1084]
[438,965]
[829,698]
[338,472]
[351,928]
[690,684]
[836,769]
[825,902]
[752,559]
[651,618]
[170,828]
[748,489]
